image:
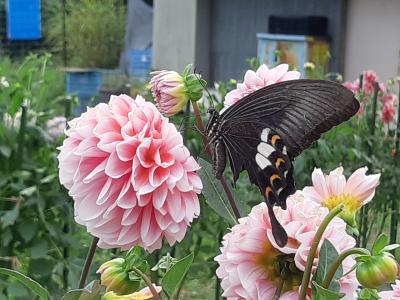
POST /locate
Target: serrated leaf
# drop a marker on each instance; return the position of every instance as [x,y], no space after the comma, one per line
[174,277]
[214,193]
[327,255]
[93,291]
[324,294]
[380,243]
[34,286]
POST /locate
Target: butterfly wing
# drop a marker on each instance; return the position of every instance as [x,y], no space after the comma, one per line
[299,111]
[268,128]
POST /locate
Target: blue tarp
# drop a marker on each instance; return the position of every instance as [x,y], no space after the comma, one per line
[24,20]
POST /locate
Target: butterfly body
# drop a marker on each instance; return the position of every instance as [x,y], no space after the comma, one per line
[267,129]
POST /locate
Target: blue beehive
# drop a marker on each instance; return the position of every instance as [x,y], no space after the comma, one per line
[294,50]
[140,63]
[85,84]
[24,20]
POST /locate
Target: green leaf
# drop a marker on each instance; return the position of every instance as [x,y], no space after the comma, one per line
[174,277]
[27,230]
[93,291]
[324,294]
[368,294]
[389,248]
[28,282]
[39,249]
[9,217]
[380,243]
[28,191]
[327,255]
[5,150]
[214,193]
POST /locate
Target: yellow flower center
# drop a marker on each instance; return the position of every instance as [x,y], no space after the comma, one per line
[351,205]
[276,265]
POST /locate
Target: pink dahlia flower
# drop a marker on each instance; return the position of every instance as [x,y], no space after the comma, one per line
[391,295]
[168,88]
[254,81]
[248,259]
[353,86]
[333,189]
[389,108]
[132,180]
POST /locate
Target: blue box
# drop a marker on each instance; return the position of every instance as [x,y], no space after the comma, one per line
[140,62]
[84,83]
[24,21]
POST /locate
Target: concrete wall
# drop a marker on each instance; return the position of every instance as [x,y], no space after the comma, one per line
[181,35]
[373,38]
[174,34]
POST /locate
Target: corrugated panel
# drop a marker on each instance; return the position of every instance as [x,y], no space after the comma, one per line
[235,23]
[24,20]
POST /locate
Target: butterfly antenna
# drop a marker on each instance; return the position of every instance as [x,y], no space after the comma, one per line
[204,87]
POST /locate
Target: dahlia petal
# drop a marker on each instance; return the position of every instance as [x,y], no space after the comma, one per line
[319,183]
[126,150]
[336,182]
[115,168]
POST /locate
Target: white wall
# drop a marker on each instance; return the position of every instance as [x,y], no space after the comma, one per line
[373,38]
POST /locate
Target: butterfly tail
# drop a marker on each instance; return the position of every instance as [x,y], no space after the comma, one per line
[279,233]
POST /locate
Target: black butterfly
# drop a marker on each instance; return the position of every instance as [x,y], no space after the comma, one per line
[268,128]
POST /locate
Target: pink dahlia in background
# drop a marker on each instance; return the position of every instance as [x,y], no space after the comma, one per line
[391,295]
[248,259]
[168,88]
[132,180]
[333,189]
[388,108]
[254,81]
[353,86]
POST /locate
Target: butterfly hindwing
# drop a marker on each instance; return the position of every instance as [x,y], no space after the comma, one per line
[255,148]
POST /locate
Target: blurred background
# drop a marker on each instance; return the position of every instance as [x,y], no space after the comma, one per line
[58,56]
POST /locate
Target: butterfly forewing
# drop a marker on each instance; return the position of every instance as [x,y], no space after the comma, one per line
[298,110]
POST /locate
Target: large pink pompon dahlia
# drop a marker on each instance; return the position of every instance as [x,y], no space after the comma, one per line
[254,81]
[132,180]
[249,257]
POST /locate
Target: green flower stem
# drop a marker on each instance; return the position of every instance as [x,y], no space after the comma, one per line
[336,264]
[202,129]
[88,262]
[313,250]
[148,283]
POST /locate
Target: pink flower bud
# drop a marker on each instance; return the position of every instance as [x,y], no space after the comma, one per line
[168,88]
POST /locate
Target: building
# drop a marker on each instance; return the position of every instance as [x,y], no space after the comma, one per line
[218,35]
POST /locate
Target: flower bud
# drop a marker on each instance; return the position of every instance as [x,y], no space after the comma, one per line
[377,270]
[143,294]
[169,91]
[115,278]
[172,91]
